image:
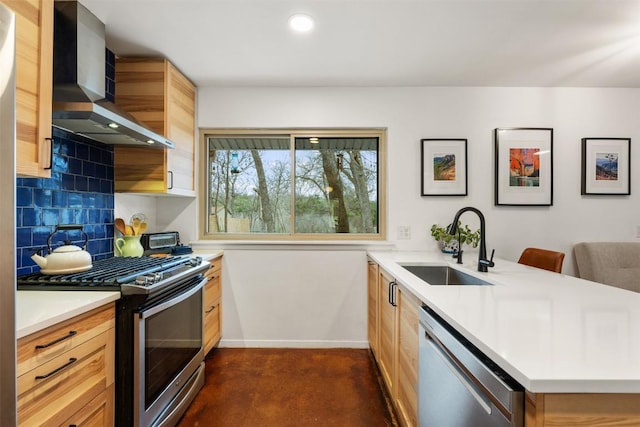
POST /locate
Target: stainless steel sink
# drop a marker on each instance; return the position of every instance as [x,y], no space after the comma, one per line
[443,275]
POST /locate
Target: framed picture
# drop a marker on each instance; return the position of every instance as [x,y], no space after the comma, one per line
[606,166]
[524,166]
[444,167]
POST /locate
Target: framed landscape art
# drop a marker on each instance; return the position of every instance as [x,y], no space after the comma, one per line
[524,166]
[606,166]
[444,167]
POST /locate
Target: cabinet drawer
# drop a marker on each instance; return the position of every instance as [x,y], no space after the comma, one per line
[212,290]
[51,392]
[216,266]
[97,413]
[43,346]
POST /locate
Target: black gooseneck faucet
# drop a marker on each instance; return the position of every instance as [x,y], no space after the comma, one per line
[483,262]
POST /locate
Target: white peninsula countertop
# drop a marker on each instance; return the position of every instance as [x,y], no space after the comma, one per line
[551,332]
[36,310]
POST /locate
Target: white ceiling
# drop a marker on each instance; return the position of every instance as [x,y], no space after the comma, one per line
[586,43]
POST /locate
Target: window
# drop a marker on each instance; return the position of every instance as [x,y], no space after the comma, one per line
[317,184]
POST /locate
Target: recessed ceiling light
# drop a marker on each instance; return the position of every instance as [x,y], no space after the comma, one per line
[301,22]
[113,125]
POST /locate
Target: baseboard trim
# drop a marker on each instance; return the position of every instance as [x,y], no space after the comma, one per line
[230,343]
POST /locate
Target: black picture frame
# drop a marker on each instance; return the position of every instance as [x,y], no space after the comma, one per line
[443,167]
[523,166]
[606,166]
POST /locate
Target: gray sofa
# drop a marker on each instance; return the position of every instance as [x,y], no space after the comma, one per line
[612,263]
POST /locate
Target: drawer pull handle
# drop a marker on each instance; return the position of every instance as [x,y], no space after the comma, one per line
[213,307]
[69,335]
[55,371]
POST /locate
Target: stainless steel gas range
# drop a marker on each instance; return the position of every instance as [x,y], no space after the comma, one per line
[159,325]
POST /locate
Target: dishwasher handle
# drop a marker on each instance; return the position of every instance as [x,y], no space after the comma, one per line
[455,369]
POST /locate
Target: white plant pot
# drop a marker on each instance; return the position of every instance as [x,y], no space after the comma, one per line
[448,248]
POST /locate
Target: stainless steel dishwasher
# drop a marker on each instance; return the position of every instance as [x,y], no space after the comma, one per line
[458,385]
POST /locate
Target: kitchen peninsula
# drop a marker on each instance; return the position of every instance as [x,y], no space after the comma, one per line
[574,345]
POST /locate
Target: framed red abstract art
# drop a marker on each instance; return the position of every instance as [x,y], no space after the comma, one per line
[524,166]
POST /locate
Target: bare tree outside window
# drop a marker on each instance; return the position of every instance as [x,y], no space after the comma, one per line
[255,181]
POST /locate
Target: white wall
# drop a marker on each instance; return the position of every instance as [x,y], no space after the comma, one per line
[163,213]
[414,113]
[125,205]
[291,298]
[410,114]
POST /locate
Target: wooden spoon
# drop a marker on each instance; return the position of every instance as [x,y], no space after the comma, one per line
[142,227]
[129,231]
[120,226]
[135,224]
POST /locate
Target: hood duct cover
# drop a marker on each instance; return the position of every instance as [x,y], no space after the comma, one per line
[79,103]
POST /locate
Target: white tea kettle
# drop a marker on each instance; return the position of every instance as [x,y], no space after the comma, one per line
[65,259]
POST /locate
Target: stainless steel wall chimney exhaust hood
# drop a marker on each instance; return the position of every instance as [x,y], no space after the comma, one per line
[79,103]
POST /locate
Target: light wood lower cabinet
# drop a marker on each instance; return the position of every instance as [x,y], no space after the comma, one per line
[372,305]
[387,314]
[66,372]
[98,412]
[406,397]
[212,305]
[397,342]
[394,329]
[585,410]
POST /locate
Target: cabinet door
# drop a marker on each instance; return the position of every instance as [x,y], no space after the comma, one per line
[180,127]
[97,413]
[34,76]
[372,306]
[53,391]
[139,170]
[407,357]
[213,306]
[66,371]
[582,409]
[157,94]
[386,359]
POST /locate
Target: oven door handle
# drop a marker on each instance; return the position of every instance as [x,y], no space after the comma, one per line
[173,301]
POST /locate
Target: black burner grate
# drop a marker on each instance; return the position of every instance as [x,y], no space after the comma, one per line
[106,274]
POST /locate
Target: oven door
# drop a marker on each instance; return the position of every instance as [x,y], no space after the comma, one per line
[168,353]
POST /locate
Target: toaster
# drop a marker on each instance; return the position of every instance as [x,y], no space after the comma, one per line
[163,243]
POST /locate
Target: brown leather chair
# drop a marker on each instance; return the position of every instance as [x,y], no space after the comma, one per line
[542,258]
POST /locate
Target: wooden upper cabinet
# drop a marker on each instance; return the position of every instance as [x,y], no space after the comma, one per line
[34,80]
[157,94]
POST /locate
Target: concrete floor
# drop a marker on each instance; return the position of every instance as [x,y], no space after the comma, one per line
[290,387]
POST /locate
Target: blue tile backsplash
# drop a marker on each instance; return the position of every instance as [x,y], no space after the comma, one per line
[80,191]
[110,76]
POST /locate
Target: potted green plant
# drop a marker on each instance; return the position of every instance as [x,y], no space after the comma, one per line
[449,242]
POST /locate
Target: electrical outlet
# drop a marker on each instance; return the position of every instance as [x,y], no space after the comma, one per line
[404,232]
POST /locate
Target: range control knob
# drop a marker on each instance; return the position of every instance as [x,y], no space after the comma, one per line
[149,279]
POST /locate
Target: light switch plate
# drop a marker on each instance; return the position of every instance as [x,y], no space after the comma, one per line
[404,232]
